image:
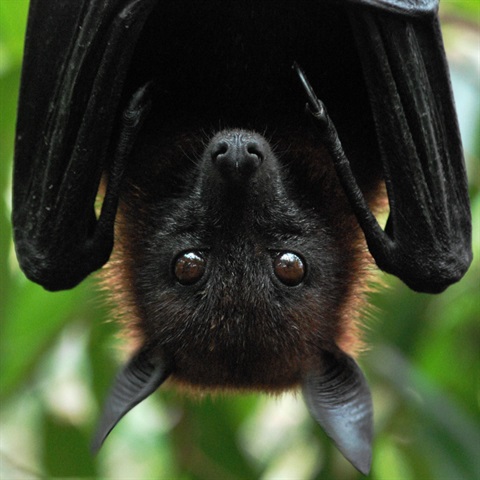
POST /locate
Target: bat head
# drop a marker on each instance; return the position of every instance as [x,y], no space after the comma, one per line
[241,266]
[240,270]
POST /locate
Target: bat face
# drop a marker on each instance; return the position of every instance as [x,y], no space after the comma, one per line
[240,276]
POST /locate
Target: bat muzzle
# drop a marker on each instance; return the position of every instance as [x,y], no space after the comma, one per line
[237,154]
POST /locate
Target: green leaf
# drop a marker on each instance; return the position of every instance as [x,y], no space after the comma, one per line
[13,14]
[65,450]
[34,317]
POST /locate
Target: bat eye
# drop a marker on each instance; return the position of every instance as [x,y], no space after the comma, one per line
[289,268]
[189,268]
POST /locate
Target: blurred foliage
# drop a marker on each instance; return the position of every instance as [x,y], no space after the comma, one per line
[58,355]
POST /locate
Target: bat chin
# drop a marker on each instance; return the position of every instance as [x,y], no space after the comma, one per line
[214,374]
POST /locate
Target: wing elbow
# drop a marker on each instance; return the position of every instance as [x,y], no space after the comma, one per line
[58,270]
[435,275]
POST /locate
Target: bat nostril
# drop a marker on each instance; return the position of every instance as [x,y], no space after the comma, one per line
[237,155]
[220,148]
[254,150]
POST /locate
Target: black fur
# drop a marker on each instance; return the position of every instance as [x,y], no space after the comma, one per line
[239,326]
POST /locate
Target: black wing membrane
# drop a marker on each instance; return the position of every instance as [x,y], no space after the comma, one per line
[77,55]
[409,8]
[427,239]
[69,101]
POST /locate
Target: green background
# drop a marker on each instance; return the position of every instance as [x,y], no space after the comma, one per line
[59,353]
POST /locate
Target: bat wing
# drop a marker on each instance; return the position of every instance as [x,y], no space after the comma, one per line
[427,239]
[410,8]
[76,58]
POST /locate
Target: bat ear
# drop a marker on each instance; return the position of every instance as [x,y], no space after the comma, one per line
[136,381]
[338,397]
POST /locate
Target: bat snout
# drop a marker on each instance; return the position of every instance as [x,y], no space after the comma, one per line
[238,154]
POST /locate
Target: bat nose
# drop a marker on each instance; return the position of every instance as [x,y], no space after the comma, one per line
[238,155]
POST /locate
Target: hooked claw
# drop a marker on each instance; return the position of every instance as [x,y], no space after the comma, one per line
[314,105]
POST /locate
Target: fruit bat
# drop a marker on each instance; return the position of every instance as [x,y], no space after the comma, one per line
[241,150]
